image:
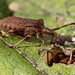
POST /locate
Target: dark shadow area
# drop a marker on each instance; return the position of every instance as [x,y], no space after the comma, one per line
[4,11]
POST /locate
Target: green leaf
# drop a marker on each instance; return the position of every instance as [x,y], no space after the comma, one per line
[11,62]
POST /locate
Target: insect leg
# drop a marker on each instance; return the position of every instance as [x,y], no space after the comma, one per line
[52,38]
[57,37]
[7,33]
[25,38]
[40,40]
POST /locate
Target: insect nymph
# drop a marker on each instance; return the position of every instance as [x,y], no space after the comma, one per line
[23,27]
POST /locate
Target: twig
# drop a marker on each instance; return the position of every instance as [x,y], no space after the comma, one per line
[25,56]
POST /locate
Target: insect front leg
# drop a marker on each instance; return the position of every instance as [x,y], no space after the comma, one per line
[57,37]
[25,38]
[0,33]
[52,38]
[41,41]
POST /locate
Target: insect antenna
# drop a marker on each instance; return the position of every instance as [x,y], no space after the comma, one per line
[63,26]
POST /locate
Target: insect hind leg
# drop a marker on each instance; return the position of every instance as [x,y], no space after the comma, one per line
[11,31]
[25,38]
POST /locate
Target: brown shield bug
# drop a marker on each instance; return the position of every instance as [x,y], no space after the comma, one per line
[23,27]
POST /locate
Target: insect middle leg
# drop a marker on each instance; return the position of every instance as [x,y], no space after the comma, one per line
[40,40]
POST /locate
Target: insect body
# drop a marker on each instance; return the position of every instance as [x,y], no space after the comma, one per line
[24,27]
